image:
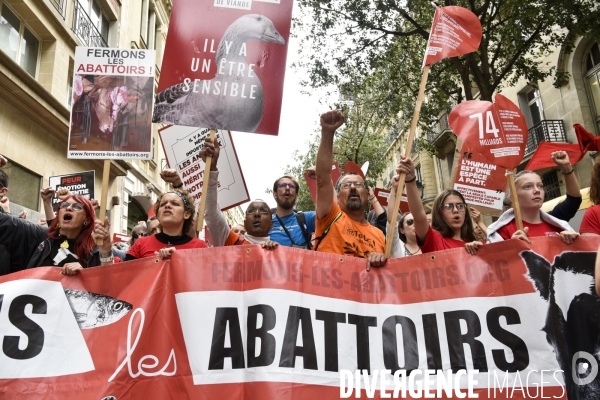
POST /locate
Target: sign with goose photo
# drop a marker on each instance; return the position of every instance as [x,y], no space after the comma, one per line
[224,65]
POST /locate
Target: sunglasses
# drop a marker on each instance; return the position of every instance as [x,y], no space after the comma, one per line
[409,222]
[74,206]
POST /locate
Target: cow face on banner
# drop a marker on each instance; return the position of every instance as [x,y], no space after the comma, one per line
[496,130]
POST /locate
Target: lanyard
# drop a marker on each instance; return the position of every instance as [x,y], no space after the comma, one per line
[284,228]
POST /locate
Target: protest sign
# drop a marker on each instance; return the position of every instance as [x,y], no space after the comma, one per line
[291,323]
[182,147]
[455,31]
[498,131]
[480,182]
[312,183]
[383,195]
[111,108]
[120,238]
[224,65]
[79,183]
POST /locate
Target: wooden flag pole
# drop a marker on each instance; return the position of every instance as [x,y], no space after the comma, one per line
[411,137]
[104,195]
[514,199]
[202,205]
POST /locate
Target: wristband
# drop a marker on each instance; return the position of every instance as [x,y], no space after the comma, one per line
[373,199]
[411,180]
[570,172]
[107,257]
[178,186]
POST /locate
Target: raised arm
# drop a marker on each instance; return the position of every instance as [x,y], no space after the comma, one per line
[415,204]
[330,121]
[561,159]
[215,220]
[375,203]
[46,194]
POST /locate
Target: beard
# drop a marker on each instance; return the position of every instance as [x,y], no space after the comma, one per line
[286,204]
[354,204]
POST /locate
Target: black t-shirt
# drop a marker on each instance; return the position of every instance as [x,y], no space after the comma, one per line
[55,247]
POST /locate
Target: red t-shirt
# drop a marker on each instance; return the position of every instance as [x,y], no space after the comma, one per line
[591,220]
[535,230]
[434,241]
[146,246]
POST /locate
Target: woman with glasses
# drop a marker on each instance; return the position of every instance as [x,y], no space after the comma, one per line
[68,242]
[451,225]
[536,222]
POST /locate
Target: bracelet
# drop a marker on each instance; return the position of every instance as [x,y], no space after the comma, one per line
[107,259]
[106,255]
[412,180]
[178,186]
[373,199]
[570,172]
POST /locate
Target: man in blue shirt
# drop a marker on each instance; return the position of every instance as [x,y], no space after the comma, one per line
[290,228]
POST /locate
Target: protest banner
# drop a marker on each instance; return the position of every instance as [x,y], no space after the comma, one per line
[247,323]
[79,183]
[455,31]
[112,104]
[480,182]
[182,147]
[224,65]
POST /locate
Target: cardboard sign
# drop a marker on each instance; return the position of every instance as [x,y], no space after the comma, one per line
[80,183]
[455,31]
[383,195]
[242,322]
[120,238]
[182,147]
[312,183]
[496,130]
[224,65]
[111,108]
[480,182]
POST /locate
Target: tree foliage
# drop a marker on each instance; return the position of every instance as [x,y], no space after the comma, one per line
[379,45]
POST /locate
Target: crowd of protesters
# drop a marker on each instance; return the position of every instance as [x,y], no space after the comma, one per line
[67,238]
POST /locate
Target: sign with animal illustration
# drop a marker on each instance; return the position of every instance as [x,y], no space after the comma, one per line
[224,65]
[78,183]
[111,105]
[514,321]
[182,147]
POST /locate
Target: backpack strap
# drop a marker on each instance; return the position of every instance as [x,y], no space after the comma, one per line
[301,218]
[326,231]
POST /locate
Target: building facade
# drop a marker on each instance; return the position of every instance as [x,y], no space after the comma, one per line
[551,108]
[37,43]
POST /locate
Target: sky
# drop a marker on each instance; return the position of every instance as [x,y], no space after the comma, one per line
[263,158]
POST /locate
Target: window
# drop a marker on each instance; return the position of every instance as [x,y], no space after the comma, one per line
[148,25]
[24,186]
[90,24]
[530,102]
[17,41]
[592,79]
[551,185]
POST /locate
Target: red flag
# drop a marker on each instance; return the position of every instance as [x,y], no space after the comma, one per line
[542,158]
[455,31]
[496,130]
[587,141]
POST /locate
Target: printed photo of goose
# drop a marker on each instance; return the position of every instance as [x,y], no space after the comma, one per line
[234,98]
[93,310]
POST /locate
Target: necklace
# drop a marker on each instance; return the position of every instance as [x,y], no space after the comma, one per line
[410,252]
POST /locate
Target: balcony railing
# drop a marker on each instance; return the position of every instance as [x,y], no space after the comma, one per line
[85,29]
[60,6]
[440,127]
[548,131]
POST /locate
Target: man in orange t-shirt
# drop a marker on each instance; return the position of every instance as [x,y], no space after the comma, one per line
[341,226]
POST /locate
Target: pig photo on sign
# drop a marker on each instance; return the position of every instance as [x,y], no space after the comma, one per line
[111,113]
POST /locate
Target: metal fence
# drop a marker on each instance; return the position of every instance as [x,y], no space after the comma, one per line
[440,127]
[85,29]
[552,130]
[60,5]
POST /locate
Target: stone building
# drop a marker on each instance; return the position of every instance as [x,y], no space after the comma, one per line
[37,43]
[550,107]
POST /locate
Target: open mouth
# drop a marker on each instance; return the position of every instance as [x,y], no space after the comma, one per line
[67,217]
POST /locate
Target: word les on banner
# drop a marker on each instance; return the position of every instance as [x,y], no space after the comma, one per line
[498,131]
[182,147]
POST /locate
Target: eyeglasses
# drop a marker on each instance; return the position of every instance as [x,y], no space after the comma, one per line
[460,207]
[358,185]
[253,210]
[286,186]
[74,206]
[409,222]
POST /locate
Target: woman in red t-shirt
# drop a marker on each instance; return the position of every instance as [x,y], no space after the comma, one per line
[590,225]
[175,212]
[451,221]
[530,193]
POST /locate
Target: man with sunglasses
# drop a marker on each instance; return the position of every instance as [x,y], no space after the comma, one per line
[341,226]
[258,214]
[290,228]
